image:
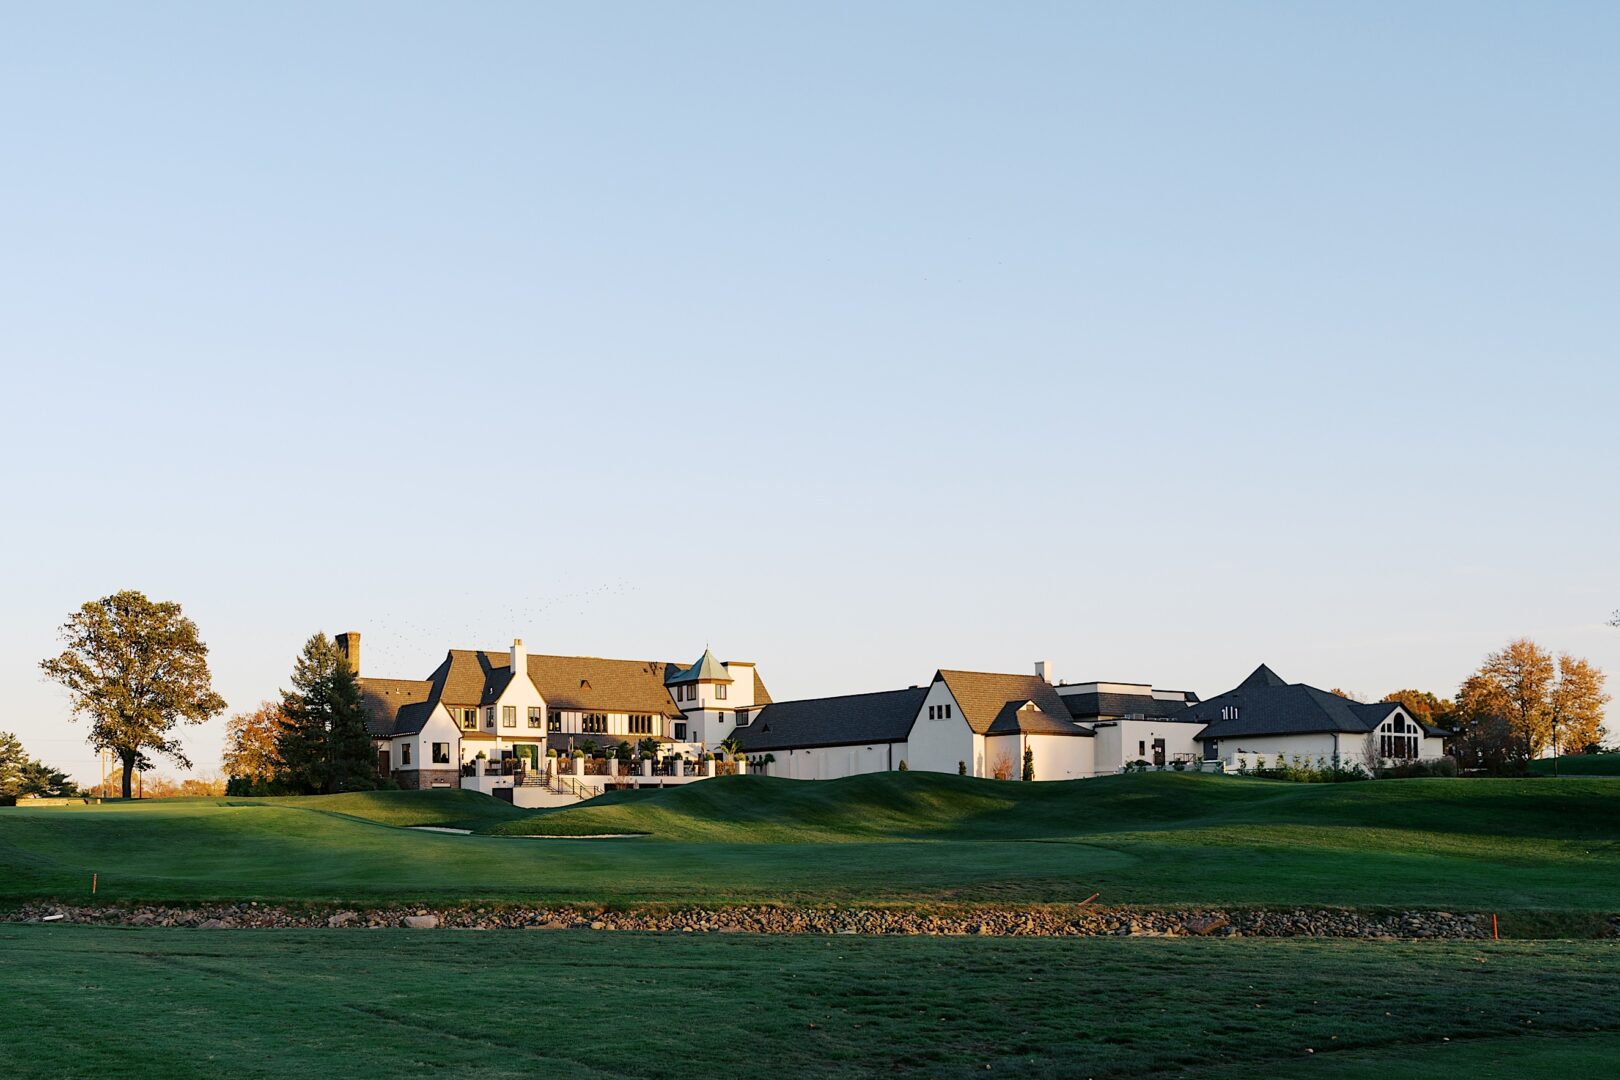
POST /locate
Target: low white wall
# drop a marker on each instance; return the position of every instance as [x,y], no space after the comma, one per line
[833,762]
[1061,757]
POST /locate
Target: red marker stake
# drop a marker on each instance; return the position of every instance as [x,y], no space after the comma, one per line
[1494,935]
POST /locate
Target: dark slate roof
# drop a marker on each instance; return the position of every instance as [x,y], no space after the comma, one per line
[1110,706]
[885,716]
[384,701]
[984,695]
[1025,717]
[1268,706]
[1262,676]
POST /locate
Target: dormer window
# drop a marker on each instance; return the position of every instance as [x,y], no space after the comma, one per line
[1229,712]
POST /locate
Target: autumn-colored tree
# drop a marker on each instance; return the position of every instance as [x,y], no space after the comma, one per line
[1535,700]
[135,667]
[1424,707]
[251,743]
[1351,694]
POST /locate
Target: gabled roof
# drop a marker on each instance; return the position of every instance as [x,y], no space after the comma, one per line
[762,696]
[469,678]
[383,701]
[1266,705]
[882,717]
[589,683]
[707,669]
[472,677]
[1027,718]
[984,696]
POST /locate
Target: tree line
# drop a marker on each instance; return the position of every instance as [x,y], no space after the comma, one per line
[137,668]
[22,776]
[1521,702]
[312,741]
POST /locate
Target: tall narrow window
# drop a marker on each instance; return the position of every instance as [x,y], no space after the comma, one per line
[508,716]
[534,716]
[404,753]
[720,691]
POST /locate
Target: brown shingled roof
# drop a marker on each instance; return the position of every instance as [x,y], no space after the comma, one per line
[382,699]
[471,677]
[985,697]
[590,683]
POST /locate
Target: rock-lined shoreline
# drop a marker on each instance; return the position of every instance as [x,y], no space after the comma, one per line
[989,922]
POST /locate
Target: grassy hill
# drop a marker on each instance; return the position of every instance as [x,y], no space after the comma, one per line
[1158,839]
[932,806]
[1579,765]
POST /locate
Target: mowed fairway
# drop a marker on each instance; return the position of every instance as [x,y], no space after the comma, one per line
[174,1003]
[1162,840]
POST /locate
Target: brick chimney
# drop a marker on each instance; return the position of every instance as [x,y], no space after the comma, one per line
[349,645]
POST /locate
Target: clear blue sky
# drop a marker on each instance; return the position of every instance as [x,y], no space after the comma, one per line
[854,339]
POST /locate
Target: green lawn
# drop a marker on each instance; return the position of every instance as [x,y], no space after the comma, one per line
[180,1004]
[1579,765]
[1505,845]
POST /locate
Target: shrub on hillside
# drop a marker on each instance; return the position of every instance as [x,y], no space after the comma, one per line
[1446,766]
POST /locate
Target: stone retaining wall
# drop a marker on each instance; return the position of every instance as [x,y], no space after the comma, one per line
[997,922]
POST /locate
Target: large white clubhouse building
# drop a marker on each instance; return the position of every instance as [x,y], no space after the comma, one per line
[523,726]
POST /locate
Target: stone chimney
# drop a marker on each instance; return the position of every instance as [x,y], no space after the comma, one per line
[349,645]
[520,658]
[1042,671]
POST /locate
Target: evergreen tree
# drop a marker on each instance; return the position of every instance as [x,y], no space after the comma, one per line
[323,744]
[1029,763]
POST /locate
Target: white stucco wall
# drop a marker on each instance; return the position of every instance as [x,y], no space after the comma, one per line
[937,745]
[1060,757]
[833,762]
[1120,742]
[439,728]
